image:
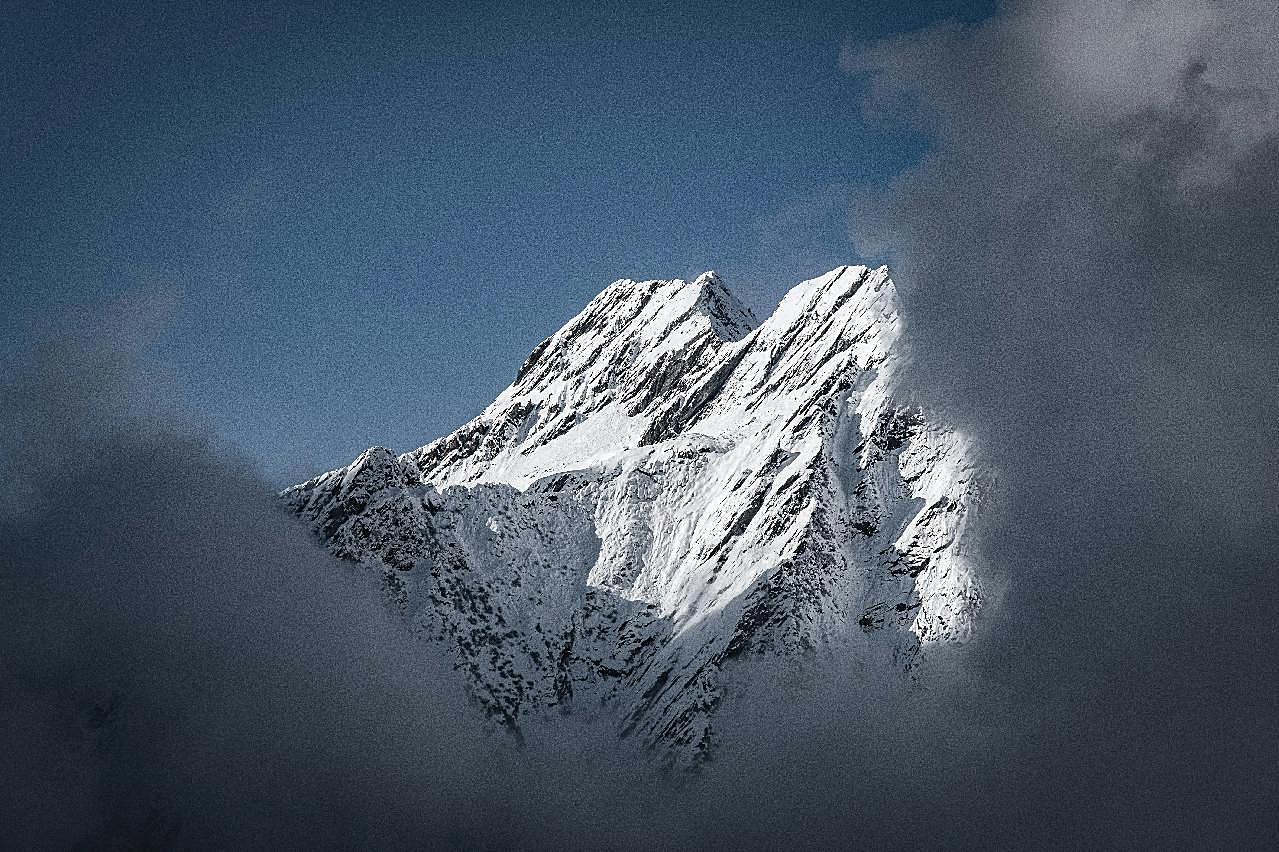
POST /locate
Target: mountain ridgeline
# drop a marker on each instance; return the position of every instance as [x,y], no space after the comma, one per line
[667,486]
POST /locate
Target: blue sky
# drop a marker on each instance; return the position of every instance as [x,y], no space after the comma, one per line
[363,216]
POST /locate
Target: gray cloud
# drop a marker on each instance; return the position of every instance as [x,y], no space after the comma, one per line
[1089,258]
[180,664]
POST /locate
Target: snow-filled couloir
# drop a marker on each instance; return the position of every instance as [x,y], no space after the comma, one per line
[666,486]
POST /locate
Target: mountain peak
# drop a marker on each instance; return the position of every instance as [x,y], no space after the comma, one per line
[642,320]
[729,318]
[667,486]
[664,303]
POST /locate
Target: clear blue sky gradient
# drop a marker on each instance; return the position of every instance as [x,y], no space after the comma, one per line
[365,215]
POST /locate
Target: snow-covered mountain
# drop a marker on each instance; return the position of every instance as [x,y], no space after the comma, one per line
[668,485]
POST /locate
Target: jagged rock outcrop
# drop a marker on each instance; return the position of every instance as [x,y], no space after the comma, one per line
[668,485]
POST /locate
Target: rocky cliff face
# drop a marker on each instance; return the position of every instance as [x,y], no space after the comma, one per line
[668,485]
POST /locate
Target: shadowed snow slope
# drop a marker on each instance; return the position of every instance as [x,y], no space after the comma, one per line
[668,485]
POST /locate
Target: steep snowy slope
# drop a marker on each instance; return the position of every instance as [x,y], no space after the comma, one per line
[668,485]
